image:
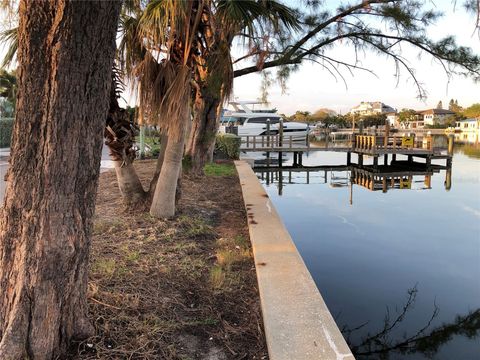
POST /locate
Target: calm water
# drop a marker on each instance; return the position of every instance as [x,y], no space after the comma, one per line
[365,256]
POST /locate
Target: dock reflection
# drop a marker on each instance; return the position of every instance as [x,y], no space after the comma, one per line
[398,175]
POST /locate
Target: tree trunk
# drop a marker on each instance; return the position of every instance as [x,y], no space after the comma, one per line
[120,137]
[158,168]
[65,61]
[207,109]
[129,184]
[163,202]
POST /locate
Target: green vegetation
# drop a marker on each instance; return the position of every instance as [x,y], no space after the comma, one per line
[472,111]
[6,126]
[453,106]
[228,145]
[153,141]
[214,169]
[194,227]
[324,116]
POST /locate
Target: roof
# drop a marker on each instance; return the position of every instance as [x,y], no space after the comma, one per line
[437,112]
[468,120]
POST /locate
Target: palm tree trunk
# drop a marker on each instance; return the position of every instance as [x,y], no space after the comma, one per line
[158,169]
[120,137]
[163,202]
[129,184]
[65,62]
[207,109]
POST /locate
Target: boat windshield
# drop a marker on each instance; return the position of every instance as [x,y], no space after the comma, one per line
[232,120]
[263,120]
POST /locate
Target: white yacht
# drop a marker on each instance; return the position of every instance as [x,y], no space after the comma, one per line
[251,122]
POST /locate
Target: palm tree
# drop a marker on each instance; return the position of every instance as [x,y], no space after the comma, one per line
[161,69]
[253,19]
[170,32]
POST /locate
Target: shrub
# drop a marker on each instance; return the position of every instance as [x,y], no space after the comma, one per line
[219,169]
[228,146]
[6,126]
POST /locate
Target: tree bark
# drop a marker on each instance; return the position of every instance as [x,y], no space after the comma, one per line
[163,202]
[120,137]
[65,60]
[130,185]
[158,168]
[207,109]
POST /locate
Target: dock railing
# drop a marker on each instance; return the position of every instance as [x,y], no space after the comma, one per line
[270,142]
[391,143]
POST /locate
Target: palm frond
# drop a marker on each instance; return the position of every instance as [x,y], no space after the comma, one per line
[164,91]
[9,38]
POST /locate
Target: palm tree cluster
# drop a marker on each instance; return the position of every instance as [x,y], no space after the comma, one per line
[176,57]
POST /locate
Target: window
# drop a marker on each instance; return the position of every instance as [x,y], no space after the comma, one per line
[263,120]
[234,120]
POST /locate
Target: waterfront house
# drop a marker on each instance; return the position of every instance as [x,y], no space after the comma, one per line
[468,125]
[392,118]
[415,121]
[436,116]
[367,108]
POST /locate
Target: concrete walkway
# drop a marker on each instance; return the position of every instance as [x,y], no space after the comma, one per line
[298,324]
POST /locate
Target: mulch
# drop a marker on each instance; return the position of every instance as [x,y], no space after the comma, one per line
[183,288]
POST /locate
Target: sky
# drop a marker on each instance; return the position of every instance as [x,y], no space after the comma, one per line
[312,88]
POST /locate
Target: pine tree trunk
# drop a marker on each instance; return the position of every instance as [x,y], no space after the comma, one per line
[65,55]
[207,108]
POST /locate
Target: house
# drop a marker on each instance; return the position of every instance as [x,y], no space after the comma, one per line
[367,108]
[468,125]
[392,118]
[415,121]
[435,116]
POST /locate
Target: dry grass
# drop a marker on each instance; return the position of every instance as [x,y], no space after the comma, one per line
[178,289]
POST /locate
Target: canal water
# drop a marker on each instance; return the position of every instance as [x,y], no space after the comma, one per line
[399,270]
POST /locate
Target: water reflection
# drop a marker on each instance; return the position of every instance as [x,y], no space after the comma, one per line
[398,175]
[426,340]
[409,224]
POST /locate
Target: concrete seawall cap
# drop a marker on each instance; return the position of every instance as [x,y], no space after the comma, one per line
[298,324]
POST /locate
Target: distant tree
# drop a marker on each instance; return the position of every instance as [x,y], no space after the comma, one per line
[406,115]
[440,105]
[453,106]
[322,114]
[340,121]
[472,111]
[374,120]
[302,116]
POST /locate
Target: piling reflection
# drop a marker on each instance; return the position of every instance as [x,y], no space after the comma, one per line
[399,231]
[398,175]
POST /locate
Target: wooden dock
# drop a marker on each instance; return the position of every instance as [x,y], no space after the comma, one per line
[363,145]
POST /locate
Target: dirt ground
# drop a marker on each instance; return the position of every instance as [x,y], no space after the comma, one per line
[178,289]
